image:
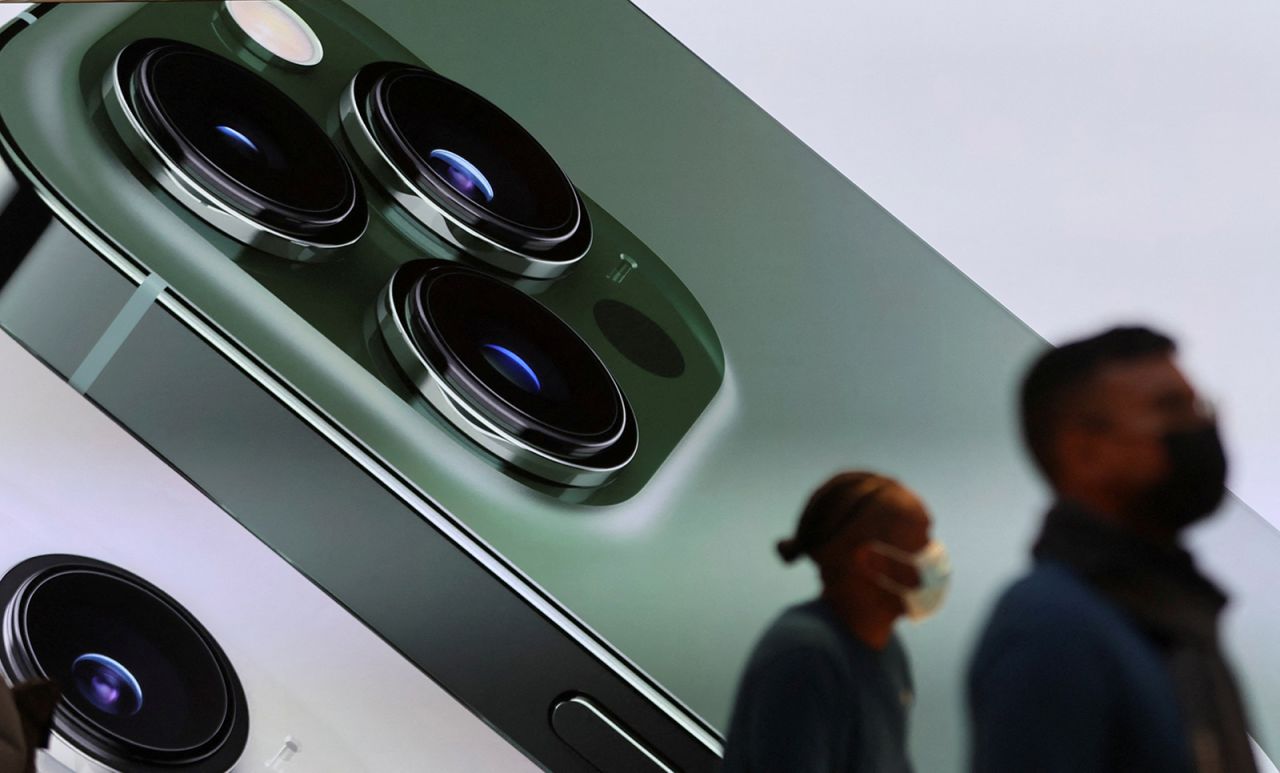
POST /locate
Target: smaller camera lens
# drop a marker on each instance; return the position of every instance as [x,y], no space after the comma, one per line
[101,634]
[106,684]
[462,175]
[512,367]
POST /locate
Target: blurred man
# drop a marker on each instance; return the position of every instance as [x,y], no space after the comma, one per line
[828,686]
[1105,656]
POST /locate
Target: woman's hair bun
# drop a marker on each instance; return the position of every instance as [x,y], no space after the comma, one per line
[789,549]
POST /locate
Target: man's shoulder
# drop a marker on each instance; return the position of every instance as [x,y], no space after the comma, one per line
[1053,608]
[1054,592]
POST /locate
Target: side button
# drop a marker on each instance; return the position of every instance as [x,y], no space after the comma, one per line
[597,736]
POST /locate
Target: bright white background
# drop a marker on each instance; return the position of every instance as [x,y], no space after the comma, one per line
[1085,163]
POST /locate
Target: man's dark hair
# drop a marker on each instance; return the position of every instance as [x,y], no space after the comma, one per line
[1059,377]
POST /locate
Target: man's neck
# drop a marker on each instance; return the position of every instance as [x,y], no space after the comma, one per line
[1107,510]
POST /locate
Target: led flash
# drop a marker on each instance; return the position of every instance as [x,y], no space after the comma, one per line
[278,29]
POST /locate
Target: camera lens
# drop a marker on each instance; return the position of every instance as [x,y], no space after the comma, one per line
[514,363]
[473,167]
[143,682]
[106,684]
[511,355]
[242,141]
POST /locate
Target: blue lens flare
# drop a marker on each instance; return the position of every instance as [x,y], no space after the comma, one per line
[513,367]
[244,141]
[463,175]
[106,684]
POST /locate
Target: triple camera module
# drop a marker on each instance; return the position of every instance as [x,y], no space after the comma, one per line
[459,175]
[370,315]
[144,685]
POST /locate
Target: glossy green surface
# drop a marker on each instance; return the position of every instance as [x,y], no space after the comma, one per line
[847,341]
[337,296]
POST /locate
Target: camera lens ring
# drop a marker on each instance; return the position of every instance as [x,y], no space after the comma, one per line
[449,329]
[515,209]
[107,683]
[234,149]
[547,404]
[384,107]
[194,712]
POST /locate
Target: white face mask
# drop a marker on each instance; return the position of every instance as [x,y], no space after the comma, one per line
[934,567]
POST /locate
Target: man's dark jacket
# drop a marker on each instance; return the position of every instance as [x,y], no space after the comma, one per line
[1104,658]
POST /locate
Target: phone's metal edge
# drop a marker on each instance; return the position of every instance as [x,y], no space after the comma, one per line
[371,464]
[374,465]
[433,513]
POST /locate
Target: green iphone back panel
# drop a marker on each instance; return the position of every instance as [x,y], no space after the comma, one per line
[819,333]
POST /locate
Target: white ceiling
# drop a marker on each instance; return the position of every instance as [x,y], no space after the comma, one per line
[1086,163]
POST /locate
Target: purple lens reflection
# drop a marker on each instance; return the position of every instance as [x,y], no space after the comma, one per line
[462,175]
[106,684]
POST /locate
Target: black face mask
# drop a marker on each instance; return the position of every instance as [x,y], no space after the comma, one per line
[1197,477]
